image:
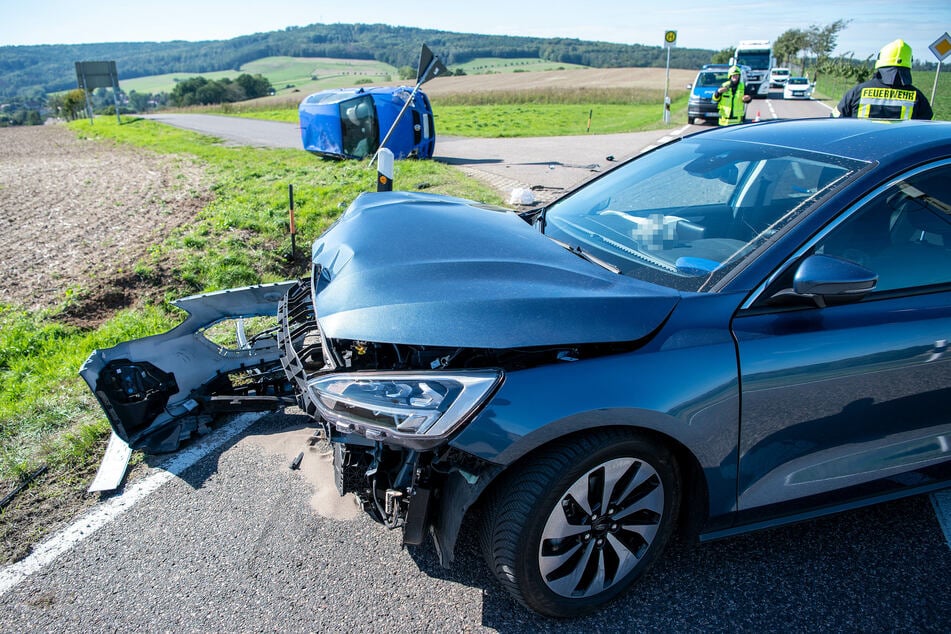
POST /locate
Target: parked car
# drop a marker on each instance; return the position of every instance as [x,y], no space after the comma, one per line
[700,104]
[778,77]
[352,122]
[740,329]
[797,88]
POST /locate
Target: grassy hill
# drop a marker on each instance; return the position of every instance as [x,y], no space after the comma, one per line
[305,74]
[291,75]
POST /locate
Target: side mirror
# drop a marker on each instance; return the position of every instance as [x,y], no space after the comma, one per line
[689,86]
[831,280]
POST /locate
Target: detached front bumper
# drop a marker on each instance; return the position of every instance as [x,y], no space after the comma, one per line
[157,391]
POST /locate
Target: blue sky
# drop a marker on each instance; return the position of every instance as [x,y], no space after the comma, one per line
[698,25]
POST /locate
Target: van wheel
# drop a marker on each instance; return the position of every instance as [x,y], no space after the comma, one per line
[575,526]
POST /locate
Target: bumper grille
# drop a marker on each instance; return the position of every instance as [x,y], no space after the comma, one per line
[300,341]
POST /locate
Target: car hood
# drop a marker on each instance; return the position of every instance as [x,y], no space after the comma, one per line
[423,269]
[704,92]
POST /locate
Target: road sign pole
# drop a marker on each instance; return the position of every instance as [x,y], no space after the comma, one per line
[935,87]
[667,91]
[670,39]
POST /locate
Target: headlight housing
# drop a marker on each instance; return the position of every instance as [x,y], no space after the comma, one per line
[416,409]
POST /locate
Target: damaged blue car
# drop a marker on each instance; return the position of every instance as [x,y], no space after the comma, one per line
[742,328]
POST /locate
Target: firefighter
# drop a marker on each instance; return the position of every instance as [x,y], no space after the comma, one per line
[731,98]
[889,94]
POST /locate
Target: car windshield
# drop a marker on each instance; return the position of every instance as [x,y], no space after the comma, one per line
[712,78]
[798,80]
[691,210]
[753,59]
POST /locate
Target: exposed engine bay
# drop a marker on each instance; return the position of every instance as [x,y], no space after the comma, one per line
[394,475]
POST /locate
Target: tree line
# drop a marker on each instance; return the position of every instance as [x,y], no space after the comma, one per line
[199,91]
[71,105]
[37,70]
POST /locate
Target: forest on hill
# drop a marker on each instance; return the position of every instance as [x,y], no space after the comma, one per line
[33,71]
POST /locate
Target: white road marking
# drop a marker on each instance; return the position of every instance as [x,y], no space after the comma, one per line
[102,514]
[670,136]
[942,508]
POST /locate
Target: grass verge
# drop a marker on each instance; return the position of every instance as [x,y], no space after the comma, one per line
[528,113]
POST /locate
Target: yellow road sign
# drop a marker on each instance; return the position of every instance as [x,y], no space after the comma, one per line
[941,47]
[670,38]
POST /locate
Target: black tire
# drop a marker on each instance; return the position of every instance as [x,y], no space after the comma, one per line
[555,551]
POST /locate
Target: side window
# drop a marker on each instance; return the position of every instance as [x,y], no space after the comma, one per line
[903,235]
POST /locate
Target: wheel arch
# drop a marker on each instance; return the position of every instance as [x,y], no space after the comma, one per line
[694,505]
[503,505]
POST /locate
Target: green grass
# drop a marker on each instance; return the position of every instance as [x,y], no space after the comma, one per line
[832,88]
[47,414]
[547,120]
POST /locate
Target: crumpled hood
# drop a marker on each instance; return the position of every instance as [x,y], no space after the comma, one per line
[423,269]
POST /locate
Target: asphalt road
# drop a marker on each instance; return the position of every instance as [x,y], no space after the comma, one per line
[234,543]
[240,542]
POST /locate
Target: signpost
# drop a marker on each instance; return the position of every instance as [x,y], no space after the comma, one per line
[429,66]
[941,48]
[91,75]
[670,40]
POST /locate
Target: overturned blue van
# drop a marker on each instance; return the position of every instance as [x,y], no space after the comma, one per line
[351,123]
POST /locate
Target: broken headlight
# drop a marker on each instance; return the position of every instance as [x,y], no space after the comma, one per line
[402,405]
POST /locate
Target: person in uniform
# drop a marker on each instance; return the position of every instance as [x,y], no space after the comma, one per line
[731,98]
[889,94]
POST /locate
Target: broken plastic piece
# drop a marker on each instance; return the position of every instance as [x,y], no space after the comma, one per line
[113,466]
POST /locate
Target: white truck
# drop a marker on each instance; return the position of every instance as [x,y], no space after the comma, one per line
[758,55]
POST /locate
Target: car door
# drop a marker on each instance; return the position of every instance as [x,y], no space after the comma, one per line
[848,400]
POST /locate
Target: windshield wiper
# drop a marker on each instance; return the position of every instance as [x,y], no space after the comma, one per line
[587,256]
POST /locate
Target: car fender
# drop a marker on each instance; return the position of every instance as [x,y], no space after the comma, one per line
[683,387]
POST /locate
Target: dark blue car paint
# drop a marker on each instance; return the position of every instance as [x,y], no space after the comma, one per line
[757,492]
[681,385]
[474,277]
[825,390]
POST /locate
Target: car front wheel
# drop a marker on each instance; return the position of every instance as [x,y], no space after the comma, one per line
[576,526]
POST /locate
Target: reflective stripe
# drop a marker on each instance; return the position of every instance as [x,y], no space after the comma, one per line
[886,103]
[730,103]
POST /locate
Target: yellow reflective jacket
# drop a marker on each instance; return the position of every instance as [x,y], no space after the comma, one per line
[730,104]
